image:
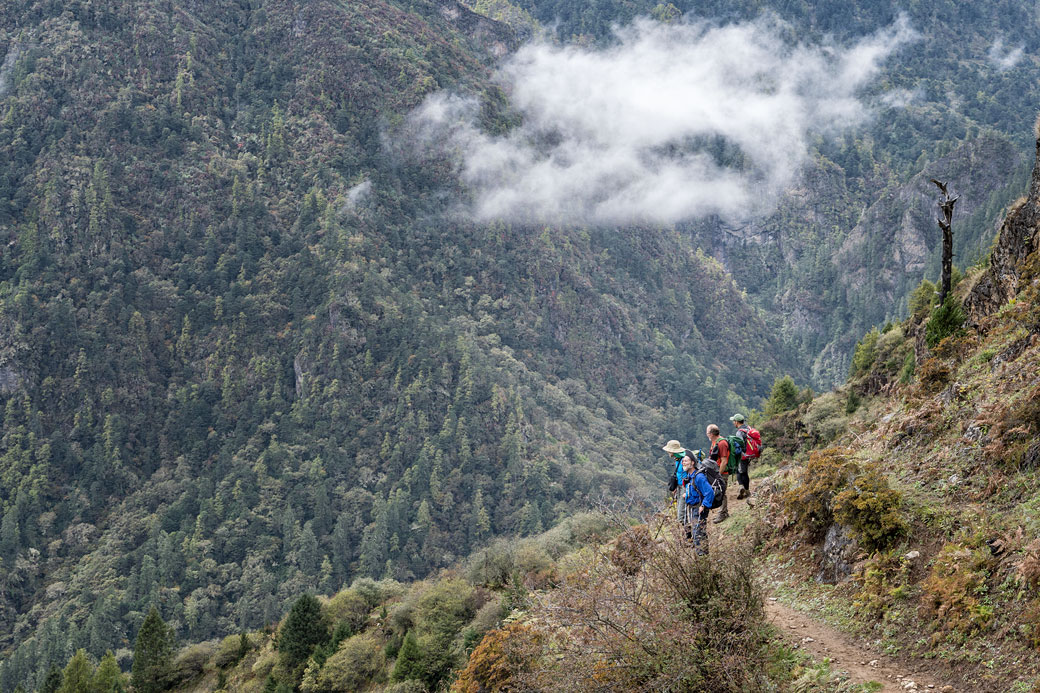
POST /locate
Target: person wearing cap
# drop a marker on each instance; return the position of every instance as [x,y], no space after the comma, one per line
[677,452]
[742,468]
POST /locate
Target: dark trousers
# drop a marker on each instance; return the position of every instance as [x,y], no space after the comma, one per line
[742,474]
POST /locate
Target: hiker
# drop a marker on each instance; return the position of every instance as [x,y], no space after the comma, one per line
[719,454]
[699,497]
[752,444]
[675,484]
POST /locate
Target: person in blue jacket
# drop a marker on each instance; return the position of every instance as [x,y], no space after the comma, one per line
[675,485]
[699,498]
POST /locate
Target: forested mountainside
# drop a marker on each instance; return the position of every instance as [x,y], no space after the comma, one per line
[899,507]
[246,352]
[845,248]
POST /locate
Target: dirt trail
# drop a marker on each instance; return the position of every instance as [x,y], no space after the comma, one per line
[823,642]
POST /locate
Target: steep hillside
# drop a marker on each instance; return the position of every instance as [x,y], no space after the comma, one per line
[904,508]
[246,351]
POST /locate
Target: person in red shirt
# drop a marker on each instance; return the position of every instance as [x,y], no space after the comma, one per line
[720,455]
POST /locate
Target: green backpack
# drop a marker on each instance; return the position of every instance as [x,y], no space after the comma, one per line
[736,451]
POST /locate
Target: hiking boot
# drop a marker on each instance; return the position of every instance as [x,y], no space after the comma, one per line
[720,518]
[743,493]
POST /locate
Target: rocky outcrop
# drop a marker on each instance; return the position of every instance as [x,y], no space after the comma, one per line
[887,253]
[1019,236]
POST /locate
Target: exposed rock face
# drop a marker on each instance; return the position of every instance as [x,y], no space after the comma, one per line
[839,553]
[7,67]
[1018,238]
[888,250]
[9,380]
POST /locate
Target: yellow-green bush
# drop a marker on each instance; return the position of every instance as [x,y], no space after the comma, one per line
[808,503]
[358,660]
[350,607]
[882,580]
[826,418]
[870,508]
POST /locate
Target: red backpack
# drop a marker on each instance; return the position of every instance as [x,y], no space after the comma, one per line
[754,444]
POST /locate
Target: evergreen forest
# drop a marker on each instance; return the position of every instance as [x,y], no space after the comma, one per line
[250,350]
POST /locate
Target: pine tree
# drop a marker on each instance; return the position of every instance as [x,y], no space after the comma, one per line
[304,629]
[153,651]
[409,664]
[108,677]
[79,674]
[53,682]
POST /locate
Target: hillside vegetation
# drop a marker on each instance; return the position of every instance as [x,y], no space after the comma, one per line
[905,503]
[245,349]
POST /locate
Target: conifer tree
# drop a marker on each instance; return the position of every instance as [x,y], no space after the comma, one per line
[304,629]
[52,683]
[409,664]
[153,650]
[79,674]
[108,678]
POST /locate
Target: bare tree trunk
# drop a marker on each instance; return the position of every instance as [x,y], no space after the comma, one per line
[946,203]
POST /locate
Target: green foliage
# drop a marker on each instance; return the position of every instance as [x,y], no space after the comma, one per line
[871,509]
[109,678]
[783,397]
[357,661]
[79,674]
[865,354]
[944,321]
[153,654]
[52,682]
[809,503]
[922,299]
[304,629]
[350,608]
[906,374]
[852,401]
[409,663]
[882,581]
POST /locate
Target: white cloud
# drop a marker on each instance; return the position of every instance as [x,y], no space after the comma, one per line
[632,133]
[901,98]
[356,195]
[1004,58]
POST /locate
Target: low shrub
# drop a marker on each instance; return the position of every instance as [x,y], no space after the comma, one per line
[882,580]
[870,508]
[953,593]
[809,502]
[231,650]
[190,663]
[349,606]
[934,375]
[680,622]
[906,375]
[500,660]
[945,321]
[358,660]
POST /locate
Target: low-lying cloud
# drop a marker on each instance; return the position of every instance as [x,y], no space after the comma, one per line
[1004,58]
[671,123]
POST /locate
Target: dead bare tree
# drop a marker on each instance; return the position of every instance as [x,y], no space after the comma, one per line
[946,203]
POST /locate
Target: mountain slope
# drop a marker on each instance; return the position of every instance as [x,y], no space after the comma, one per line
[246,350]
[919,505]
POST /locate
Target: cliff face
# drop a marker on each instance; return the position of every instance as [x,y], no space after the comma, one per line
[1019,236]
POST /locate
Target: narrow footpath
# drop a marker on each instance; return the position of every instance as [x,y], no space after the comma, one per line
[823,642]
